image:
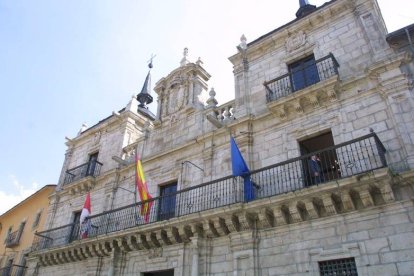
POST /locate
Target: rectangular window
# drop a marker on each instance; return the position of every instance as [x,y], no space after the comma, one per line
[93,158]
[21,228]
[74,233]
[169,272]
[338,267]
[303,73]
[36,220]
[167,201]
[8,234]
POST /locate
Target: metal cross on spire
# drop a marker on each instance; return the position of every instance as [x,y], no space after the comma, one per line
[150,61]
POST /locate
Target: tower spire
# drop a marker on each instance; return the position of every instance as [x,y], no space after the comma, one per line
[304,8]
[144,97]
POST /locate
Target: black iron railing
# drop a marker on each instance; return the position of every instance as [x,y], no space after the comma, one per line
[13,270]
[344,160]
[13,238]
[282,86]
[88,169]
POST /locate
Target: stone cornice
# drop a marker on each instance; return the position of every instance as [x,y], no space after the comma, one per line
[114,119]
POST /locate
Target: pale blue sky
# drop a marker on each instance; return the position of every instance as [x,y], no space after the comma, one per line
[66,62]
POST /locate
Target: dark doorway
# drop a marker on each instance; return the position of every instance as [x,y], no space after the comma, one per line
[169,272]
[74,233]
[327,158]
[167,199]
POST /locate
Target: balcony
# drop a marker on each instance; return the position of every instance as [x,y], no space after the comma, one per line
[312,85]
[13,239]
[286,84]
[92,169]
[355,158]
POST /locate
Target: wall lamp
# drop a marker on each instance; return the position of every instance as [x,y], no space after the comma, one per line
[120,161]
[132,192]
[182,164]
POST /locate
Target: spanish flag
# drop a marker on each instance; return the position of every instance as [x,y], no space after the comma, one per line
[143,190]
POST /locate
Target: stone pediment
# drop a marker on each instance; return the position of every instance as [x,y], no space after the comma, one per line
[180,90]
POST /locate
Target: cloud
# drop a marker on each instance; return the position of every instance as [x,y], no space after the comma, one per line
[11,198]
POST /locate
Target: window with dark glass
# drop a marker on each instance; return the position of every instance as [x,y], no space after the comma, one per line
[93,158]
[74,233]
[8,234]
[169,272]
[21,228]
[167,201]
[303,73]
[338,267]
[36,220]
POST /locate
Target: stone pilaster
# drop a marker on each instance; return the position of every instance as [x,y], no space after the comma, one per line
[244,247]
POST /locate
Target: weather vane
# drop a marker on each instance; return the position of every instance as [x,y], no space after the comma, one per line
[150,60]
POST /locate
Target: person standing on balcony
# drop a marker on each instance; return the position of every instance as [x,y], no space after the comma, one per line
[315,170]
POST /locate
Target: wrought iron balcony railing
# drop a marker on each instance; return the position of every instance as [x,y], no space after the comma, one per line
[88,169]
[320,70]
[340,161]
[13,238]
[13,270]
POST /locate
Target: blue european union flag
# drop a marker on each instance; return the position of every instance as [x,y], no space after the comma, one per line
[240,168]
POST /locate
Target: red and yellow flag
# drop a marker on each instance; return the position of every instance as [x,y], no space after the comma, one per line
[142,189]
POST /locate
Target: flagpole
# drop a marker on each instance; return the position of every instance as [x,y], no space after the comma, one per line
[135,185]
[136,169]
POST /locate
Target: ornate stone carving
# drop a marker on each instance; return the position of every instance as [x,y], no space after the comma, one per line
[97,137]
[295,41]
[177,98]
[155,253]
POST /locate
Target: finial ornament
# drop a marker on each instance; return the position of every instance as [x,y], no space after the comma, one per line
[243,42]
[83,128]
[212,102]
[184,60]
[199,61]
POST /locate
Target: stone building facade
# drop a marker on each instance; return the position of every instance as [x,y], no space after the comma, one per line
[330,85]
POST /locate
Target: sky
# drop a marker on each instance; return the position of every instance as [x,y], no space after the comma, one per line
[68,62]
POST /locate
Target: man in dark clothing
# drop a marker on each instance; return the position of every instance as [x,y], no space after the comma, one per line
[315,170]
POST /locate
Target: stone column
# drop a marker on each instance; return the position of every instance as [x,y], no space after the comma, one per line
[116,262]
[194,249]
[32,264]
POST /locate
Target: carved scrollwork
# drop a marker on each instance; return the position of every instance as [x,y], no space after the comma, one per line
[155,253]
[295,41]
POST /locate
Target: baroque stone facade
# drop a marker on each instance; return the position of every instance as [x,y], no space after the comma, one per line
[331,83]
